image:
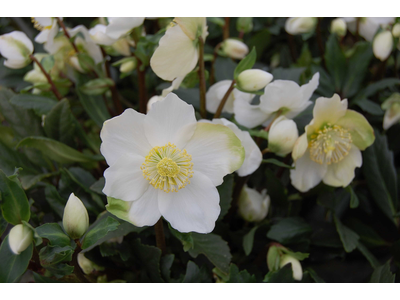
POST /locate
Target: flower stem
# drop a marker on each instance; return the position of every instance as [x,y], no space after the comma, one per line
[160,238]
[62,25]
[202,79]
[223,101]
[226,28]
[292,47]
[53,86]
[77,269]
[142,88]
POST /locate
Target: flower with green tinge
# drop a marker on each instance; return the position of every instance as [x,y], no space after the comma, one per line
[253,80]
[282,136]
[49,29]
[339,27]
[87,265]
[16,48]
[234,48]
[367,27]
[297,270]
[75,218]
[382,45]
[392,108]
[36,75]
[283,97]
[20,238]
[178,50]
[329,150]
[253,206]
[396,30]
[217,91]
[119,26]
[300,25]
[253,156]
[167,164]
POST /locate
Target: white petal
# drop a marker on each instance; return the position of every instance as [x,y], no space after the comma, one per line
[308,89]
[120,25]
[15,46]
[248,115]
[170,120]
[145,211]
[193,208]
[215,94]
[192,26]
[328,110]
[342,173]
[307,173]
[175,56]
[391,117]
[99,36]
[216,151]
[124,134]
[300,146]
[124,178]
[253,156]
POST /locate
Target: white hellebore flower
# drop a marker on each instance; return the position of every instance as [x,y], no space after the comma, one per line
[296,266]
[20,238]
[253,206]
[120,26]
[383,45]
[177,53]
[396,30]
[167,164]
[16,48]
[282,97]
[217,91]
[329,150]
[392,114]
[368,26]
[253,155]
[99,36]
[282,136]
[234,48]
[339,27]
[75,218]
[300,25]
[254,80]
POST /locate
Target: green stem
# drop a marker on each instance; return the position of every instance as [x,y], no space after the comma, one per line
[160,238]
[202,79]
[224,99]
[226,28]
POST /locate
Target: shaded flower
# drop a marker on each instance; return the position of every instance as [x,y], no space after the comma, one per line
[253,206]
[16,48]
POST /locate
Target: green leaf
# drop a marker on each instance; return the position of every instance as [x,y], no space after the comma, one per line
[348,237]
[47,62]
[3,224]
[297,255]
[240,277]
[185,238]
[315,276]
[56,202]
[335,61]
[224,68]
[13,266]
[370,107]
[248,240]
[354,202]
[284,275]
[259,133]
[86,62]
[367,234]
[214,248]
[53,255]
[368,255]
[54,233]
[14,203]
[97,86]
[277,163]
[288,74]
[195,275]
[246,63]
[57,151]
[149,259]
[41,105]
[98,230]
[225,191]
[289,230]
[375,87]
[382,274]
[42,279]
[165,266]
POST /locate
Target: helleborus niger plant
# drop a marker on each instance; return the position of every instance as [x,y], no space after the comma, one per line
[199,149]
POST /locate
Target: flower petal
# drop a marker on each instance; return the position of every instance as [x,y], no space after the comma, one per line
[193,26]
[253,156]
[170,120]
[216,151]
[328,110]
[121,25]
[248,115]
[215,94]
[144,211]
[300,147]
[193,208]
[308,89]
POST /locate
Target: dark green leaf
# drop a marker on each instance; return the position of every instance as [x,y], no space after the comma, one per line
[370,107]
[335,61]
[98,231]
[53,255]
[224,68]
[348,237]
[240,277]
[282,275]
[194,274]
[54,233]
[97,86]
[315,276]
[382,274]
[353,197]
[368,255]
[3,224]
[288,74]
[98,186]
[56,202]
[248,240]
[289,230]
[47,62]
[40,105]
[166,264]
[185,238]
[373,88]
[225,194]
[367,234]
[42,279]
[246,63]
[277,163]
[149,258]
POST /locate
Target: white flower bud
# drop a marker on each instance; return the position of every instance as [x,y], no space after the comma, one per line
[282,136]
[296,266]
[87,265]
[339,27]
[127,66]
[16,48]
[75,218]
[382,45]
[234,48]
[122,47]
[396,30]
[74,62]
[254,80]
[253,206]
[20,238]
[300,25]
[392,108]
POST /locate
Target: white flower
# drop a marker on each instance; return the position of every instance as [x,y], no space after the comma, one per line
[339,27]
[99,36]
[16,48]
[167,164]
[383,45]
[367,26]
[392,114]
[254,80]
[234,48]
[75,218]
[253,156]
[253,206]
[36,75]
[282,136]
[300,25]
[281,96]
[174,86]
[20,238]
[177,53]
[296,266]
[396,30]
[217,91]
[329,150]
[87,265]
[120,26]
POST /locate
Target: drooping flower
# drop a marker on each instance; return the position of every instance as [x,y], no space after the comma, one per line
[177,53]
[283,97]
[167,164]
[368,26]
[339,27]
[297,270]
[20,237]
[382,45]
[282,136]
[329,150]
[253,206]
[300,25]
[16,48]
[392,108]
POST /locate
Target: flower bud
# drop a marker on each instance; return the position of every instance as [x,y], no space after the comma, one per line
[339,27]
[396,30]
[253,80]
[300,25]
[16,47]
[20,238]
[244,24]
[253,206]
[234,48]
[392,108]
[87,265]
[382,45]
[75,218]
[128,66]
[296,266]
[282,136]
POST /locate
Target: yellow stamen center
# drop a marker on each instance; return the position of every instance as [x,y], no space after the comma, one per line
[168,168]
[38,26]
[330,144]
